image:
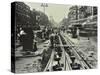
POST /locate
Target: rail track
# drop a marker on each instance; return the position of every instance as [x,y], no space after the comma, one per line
[83,63]
[82,59]
[57,59]
[64,56]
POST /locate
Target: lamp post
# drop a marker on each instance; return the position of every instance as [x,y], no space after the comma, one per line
[44,5]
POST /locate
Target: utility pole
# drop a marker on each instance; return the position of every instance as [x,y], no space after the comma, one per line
[44,5]
[92,10]
[77,12]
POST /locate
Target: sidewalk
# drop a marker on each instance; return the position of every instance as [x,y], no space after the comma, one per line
[41,47]
[32,62]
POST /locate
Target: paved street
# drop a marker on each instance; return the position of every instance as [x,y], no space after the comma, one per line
[30,64]
[40,47]
[86,47]
[46,41]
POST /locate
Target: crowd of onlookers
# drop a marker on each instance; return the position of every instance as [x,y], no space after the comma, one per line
[28,37]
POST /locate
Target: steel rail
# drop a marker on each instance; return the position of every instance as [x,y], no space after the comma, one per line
[83,62]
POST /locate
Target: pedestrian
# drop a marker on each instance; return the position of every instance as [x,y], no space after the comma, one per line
[28,39]
[44,57]
[35,46]
[22,35]
[74,32]
[78,33]
[56,38]
[52,37]
[47,34]
[44,33]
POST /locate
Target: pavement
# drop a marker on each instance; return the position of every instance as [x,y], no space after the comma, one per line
[32,63]
[40,47]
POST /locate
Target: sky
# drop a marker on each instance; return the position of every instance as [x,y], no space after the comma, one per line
[57,11]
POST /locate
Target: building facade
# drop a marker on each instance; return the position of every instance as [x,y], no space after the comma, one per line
[22,13]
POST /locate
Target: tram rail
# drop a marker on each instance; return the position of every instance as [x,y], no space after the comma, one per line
[65,60]
[83,62]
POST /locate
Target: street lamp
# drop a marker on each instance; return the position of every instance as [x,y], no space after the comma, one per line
[44,5]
